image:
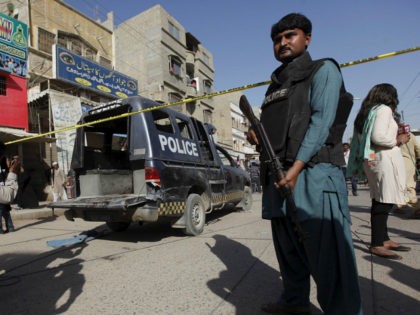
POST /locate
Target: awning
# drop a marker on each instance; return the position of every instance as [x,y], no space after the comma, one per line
[38,97]
[42,97]
[11,134]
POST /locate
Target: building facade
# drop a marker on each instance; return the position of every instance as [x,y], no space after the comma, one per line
[58,34]
[232,126]
[169,63]
[57,30]
[13,66]
[70,54]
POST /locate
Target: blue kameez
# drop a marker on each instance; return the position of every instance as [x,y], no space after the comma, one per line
[322,208]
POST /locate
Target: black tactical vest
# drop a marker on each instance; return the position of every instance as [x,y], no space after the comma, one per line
[286,113]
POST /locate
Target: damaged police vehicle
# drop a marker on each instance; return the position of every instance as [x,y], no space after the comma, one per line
[152,165]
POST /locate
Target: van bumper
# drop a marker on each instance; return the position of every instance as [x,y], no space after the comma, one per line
[98,215]
[146,213]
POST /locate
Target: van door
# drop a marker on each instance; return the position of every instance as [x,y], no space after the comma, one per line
[210,159]
[104,166]
[234,176]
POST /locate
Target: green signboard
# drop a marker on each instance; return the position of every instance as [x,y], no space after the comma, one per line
[13,46]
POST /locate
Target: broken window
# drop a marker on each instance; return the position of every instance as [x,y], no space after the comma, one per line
[184,128]
[162,121]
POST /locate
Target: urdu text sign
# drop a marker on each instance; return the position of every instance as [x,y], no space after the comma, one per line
[90,75]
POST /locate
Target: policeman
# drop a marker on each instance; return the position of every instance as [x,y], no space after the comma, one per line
[299,114]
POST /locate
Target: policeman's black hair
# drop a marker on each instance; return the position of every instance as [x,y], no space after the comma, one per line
[290,22]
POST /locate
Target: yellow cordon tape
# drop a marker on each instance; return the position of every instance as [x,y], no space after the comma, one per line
[184,101]
[391,54]
[193,99]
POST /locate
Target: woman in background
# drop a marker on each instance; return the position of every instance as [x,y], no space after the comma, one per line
[375,152]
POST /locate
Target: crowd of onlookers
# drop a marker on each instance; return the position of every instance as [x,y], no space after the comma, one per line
[24,195]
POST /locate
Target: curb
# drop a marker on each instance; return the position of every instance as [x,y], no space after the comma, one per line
[33,214]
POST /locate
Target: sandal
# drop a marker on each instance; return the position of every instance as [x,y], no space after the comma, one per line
[400,248]
[383,252]
[391,245]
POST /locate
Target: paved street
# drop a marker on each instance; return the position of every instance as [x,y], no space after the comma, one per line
[230,269]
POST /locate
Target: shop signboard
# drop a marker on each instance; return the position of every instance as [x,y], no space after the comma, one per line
[88,74]
[13,46]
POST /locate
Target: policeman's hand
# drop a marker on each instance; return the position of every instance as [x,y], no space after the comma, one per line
[291,175]
[252,137]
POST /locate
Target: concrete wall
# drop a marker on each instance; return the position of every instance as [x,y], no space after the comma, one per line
[147,58]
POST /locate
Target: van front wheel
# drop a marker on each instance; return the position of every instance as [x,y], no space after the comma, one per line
[195,215]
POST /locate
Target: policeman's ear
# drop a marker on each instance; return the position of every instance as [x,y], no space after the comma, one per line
[308,38]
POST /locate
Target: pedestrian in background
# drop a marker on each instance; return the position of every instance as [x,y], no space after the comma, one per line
[26,196]
[376,153]
[59,181]
[298,113]
[23,180]
[10,186]
[411,153]
[254,172]
[5,207]
[352,179]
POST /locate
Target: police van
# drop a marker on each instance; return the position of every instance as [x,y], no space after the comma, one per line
[158,163]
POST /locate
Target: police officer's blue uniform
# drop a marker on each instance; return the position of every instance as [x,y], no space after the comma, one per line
[322,209]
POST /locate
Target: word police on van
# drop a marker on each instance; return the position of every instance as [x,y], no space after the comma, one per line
[156,164]
[173,144]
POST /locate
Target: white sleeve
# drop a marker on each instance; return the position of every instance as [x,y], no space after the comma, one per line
[8,192]
[384,132]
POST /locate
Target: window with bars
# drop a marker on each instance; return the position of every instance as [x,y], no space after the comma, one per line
[207,116]
[45,40]
[90,54]
[61,41]
[206,59]
[77,45]
[173,98]
[206,86]
[2,85]
[173,30]
[175,65]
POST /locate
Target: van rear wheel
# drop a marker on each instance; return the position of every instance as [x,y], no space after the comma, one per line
[195,215]
[118,226]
